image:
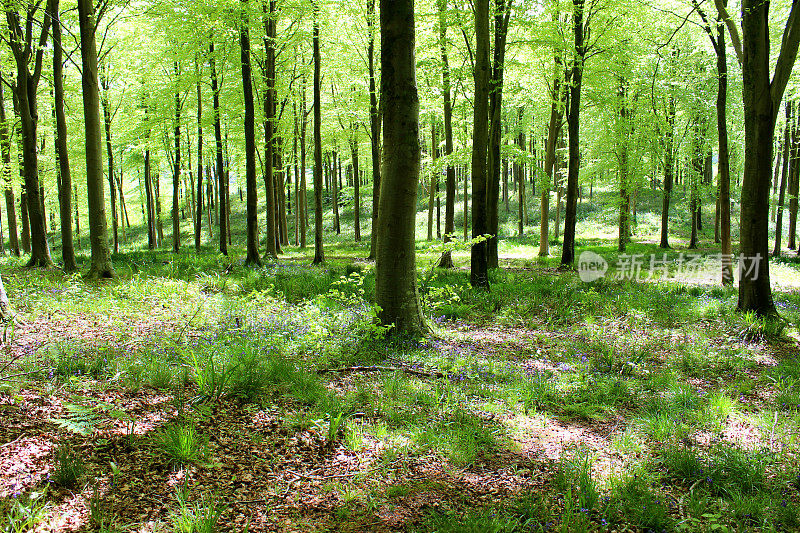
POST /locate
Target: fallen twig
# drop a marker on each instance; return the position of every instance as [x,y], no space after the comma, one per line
[362,369]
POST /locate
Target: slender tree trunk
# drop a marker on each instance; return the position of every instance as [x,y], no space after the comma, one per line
[374,130]
[521,185]
[624,185]
[268,7]
[176,168]
[101,266]
[723,171]
[65,177]
[553,132]
[433,181]
[319,252]
[199,218]
[220,165]
[253,257]
[26,228]
[794,174]
[784,178]
[669,171]
[5,149]
[570,215]
[395,266]
[356,187]
[25,51]
[303,197]
[109,156]
[446,260]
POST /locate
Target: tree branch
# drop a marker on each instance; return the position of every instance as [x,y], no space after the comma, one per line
[736,41]
[787,57]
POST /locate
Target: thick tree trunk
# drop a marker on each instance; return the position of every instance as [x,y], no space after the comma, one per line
[65,177]
[220,164]
[101,266]
[502,14]
[570,215]
[480,139]
[761,101]
[319,252]
[395,265]
[374,130]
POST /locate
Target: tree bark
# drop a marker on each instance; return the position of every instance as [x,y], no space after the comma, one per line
[573,124]
[26,51]
[268,7]
[253,257]
[303,195]
[65,177]
[761,102]
[199,218]
[109,156]
[479,276]
[784,178]
[220,164]
[553,132]
[446,261]
[502,15]
[101,266]
[395,266]
[374,130]
[176,168]
[5,150]
[669,171]
[319,252]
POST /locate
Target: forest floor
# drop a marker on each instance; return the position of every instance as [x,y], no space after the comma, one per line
[196,394]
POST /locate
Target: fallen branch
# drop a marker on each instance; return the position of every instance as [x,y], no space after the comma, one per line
[363,369]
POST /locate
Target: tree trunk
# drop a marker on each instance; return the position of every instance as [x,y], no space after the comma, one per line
[253,257]
[553,131]
[395,265]
[101,266]
[5,149]
[794,174]
[570,215]
[723,171]
[761,101]
[624,191]
[434,181]
[356,187]
[479,257]
[784,178]
[268,7]
[199,218]
[446,260]
[669,172]
[319,252]
[374,130]
[176,168]
[502,15]
[65,177]
[220,165]
[109,156]
[23,48]
[303,197]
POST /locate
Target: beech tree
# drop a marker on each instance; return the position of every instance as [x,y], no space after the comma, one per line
[395,264]
[101,266]
[762,94]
